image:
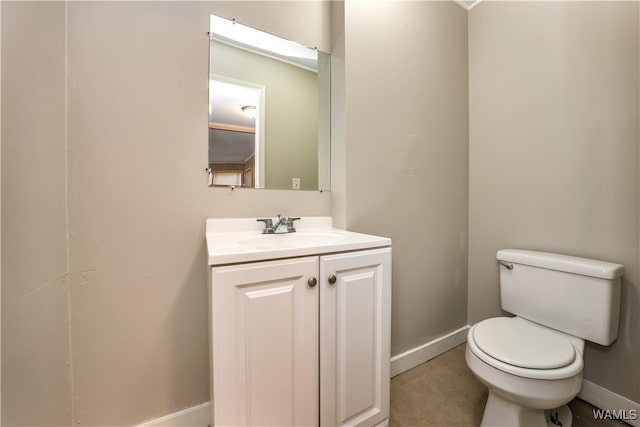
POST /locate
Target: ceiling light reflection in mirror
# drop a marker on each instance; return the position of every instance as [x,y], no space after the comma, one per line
[256,40]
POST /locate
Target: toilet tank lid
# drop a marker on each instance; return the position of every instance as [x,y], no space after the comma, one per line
[566,263]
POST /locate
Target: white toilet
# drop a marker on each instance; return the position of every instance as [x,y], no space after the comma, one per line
[532,363]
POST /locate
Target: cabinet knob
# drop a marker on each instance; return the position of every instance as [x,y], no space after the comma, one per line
[332,279]
[312,282]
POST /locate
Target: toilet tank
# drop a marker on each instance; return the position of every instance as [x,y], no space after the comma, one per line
[578,296]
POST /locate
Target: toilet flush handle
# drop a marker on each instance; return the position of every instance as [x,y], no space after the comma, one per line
[506,264]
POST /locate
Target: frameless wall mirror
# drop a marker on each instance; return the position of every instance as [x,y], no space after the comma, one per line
[269,110]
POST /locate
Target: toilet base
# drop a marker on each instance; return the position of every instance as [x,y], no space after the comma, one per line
[502,412]
[562,415]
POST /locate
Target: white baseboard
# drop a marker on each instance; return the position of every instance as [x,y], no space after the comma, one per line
[602,398]
[200,415]
[196,416]
[416,356]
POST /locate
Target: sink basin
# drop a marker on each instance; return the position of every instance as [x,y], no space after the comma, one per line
[291,240]
[237,240]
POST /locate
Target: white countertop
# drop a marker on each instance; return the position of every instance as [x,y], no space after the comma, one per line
[235,240]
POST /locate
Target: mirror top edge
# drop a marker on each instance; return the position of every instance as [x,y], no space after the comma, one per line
[213,36]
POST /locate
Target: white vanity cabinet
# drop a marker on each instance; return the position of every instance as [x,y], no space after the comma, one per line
[302,340]
[265,343]
[355,331]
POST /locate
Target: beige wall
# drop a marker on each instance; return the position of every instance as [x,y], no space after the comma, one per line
[137,102]
[553,95]
[138,197]
[35,344]
[324,121]
[137,193]
[291,112]
[338,153]
[406,155]
[0,214]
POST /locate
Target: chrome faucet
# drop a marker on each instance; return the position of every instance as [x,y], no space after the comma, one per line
[272,228]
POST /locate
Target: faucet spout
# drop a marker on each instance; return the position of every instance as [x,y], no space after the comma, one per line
[277,224]
[272,228]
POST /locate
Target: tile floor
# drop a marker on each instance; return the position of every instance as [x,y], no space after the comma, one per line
[444,392]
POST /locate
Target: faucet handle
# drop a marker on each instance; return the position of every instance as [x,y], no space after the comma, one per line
[289,222]
[268,225]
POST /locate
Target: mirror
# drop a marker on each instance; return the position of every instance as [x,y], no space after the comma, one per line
[269,110]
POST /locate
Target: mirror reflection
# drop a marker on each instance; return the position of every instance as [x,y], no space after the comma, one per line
[268,110]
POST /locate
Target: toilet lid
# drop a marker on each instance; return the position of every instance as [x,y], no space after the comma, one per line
[520,343]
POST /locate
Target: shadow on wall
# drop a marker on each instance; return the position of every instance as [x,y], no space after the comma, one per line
[629,318]
[190,385]
[629,310]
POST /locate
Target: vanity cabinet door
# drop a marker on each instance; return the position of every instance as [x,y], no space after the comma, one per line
[355,335]
[264,340]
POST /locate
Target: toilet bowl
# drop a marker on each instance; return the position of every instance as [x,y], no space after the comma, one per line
[527,368]
[532,362]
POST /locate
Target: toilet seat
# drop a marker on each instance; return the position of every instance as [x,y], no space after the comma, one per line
[523,344]
[524,349]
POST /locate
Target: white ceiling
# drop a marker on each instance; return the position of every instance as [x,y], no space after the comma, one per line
[226,101]
[467,4]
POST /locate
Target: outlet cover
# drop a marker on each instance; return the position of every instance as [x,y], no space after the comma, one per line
[295,183]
